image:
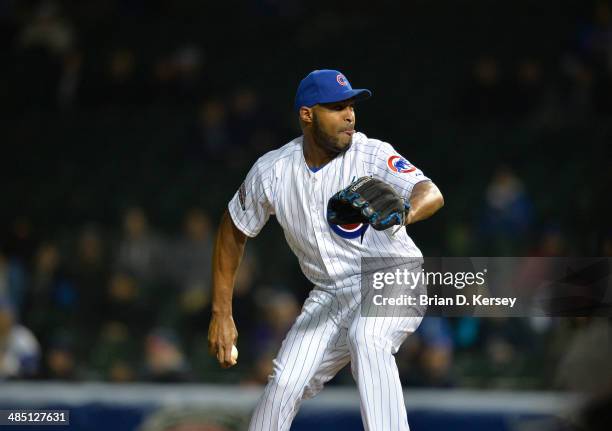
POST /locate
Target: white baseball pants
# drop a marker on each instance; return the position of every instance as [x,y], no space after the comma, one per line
[326,336]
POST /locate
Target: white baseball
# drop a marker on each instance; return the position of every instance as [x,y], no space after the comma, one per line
[234,354]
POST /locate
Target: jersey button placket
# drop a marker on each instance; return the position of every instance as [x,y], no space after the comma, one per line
[314,207]
[313,192]
[320,225]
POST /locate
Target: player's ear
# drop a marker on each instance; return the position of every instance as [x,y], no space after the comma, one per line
[306,114]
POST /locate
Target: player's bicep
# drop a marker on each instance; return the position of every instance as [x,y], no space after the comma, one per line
[392,168]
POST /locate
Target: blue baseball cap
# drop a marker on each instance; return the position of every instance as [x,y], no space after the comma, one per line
[326,86]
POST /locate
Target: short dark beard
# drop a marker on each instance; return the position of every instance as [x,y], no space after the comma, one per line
[325,141]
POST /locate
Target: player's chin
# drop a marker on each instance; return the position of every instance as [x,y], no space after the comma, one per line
[338,145]
[344,141]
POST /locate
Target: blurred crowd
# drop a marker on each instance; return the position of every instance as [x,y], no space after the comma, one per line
[98,305]
[101,115]
[62,42]
[133,304]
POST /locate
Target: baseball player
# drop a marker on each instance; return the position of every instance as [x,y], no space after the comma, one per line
[339,197]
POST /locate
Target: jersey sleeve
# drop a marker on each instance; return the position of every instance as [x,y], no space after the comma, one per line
[391,167]
[251,206]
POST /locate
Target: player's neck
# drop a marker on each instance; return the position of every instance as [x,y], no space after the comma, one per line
[314,154]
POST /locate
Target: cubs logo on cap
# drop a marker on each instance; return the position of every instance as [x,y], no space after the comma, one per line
[326,86]
[400,165]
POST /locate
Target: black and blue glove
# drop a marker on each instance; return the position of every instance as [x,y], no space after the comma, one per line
[368,200]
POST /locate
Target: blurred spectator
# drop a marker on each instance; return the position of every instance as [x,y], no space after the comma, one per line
[126,303]
[192,256]
[19,349]
[279,310]
[12,281]
[262,140]
[577,91]
[527,278]
[484,96]
[139,249]
[122,86]
[528,91]
[188,64]
[61,358]
[460,239]
[585,362]
[435,364]
[606,246]
[552,243]
[43,42]
[178,76]
[595,39]
[507,214]
[596,46]
[435,356]
[21,242]
[247,125]
[52,299]
[245,115]
[115,355]
[90,272]
[211,141]
[507,343]
[190,271]
[502,353]
[48,29]
[164,359]
[70,80]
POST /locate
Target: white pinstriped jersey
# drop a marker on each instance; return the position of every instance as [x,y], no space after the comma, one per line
[281,183]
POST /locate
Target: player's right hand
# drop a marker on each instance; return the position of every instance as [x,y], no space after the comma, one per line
[222,335]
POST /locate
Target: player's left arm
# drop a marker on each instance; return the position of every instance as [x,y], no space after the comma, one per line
[425,200]
[409,181]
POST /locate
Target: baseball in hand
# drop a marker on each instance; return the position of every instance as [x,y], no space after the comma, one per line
[234,354]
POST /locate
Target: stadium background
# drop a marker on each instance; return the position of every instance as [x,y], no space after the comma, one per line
[128,125]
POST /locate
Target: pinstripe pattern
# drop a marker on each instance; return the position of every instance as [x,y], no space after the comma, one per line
[330,331]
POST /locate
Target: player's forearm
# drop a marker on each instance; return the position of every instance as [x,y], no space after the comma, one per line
[229,248]
[425,200]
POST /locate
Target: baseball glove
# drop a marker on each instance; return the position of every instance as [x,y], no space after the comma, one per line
[368,200]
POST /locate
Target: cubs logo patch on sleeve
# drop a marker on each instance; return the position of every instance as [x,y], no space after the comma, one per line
[400,165]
